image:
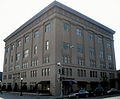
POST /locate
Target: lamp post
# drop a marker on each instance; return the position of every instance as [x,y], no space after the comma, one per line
[60,78]
[21,87]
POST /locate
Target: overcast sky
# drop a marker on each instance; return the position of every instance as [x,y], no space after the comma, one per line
[13,13]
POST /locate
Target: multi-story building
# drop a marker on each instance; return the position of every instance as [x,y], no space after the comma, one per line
[59,46]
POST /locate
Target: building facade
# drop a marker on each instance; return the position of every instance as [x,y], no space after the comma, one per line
[59,46]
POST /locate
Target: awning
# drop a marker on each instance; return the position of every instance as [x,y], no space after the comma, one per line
[69,83]
[44,82]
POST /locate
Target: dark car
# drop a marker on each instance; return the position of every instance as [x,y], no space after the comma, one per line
[98,91]
[79,93]
[112,91]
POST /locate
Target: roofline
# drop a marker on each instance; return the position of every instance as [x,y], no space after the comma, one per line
[56,3]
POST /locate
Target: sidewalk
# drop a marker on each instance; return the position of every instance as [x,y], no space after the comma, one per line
[16,95]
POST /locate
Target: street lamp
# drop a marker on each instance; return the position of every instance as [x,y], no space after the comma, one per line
[60,78]
[21,87]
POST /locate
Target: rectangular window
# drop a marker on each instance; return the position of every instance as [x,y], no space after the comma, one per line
[18,56]
[109,57]
[47,45]
[99,39]
[47,27]
[81,73]
[26,53]
[66,46]
[92,63]
[26,39]
[7,49]
[66,59]
[78,32]
[35,49]
[70,72]
[101,54]
[19,43]
[81,61]
[36,34]
[111,75]
[108,45]
[12,46]
[11,58]
[46,59]
[93,74]
[80,48]
[10,76]
[66,27]
[91,51]
[90,36]
[102,64]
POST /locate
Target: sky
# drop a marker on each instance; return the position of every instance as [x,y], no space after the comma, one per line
[14,13]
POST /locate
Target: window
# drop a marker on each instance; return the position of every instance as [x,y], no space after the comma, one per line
[70,72]
[46,59]
[11,58]
[108,45]
[111,75]
[93,74]
[92,63]
[46,72]
[66,27]
[109,57]
[33,73]
[78,32]
[10,76]
[102,64]
[19,43]
[90,36]
[12,46]
[81,61]
[81,73]
[18,56]
[66,46]
[25,65]
[5,77]
[110,66]
[6,49]
[36,34]
[35,49]
[26,39]
[35,62]
[99,39]
[23,74]
[101,54]
[103,74]
[5,60]
[66,59]
[80,48]
[47,27]
[47,45]
[91,52]
[26,53]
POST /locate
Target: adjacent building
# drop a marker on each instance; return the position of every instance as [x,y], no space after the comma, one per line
[59,46]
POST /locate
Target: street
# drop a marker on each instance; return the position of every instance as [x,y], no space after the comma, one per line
[25,96]
[7,95]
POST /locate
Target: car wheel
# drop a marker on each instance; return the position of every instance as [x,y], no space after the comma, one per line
[77,96]
[86,95]
[102,93]
[94,94]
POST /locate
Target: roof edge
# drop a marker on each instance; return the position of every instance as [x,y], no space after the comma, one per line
[56,3]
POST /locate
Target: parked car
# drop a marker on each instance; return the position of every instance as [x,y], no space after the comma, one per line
[98,91]
[112,91]
[79,93]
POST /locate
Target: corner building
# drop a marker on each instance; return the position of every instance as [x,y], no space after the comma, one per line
[58,34]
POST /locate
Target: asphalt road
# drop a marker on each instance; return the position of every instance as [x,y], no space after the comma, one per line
[31,96]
